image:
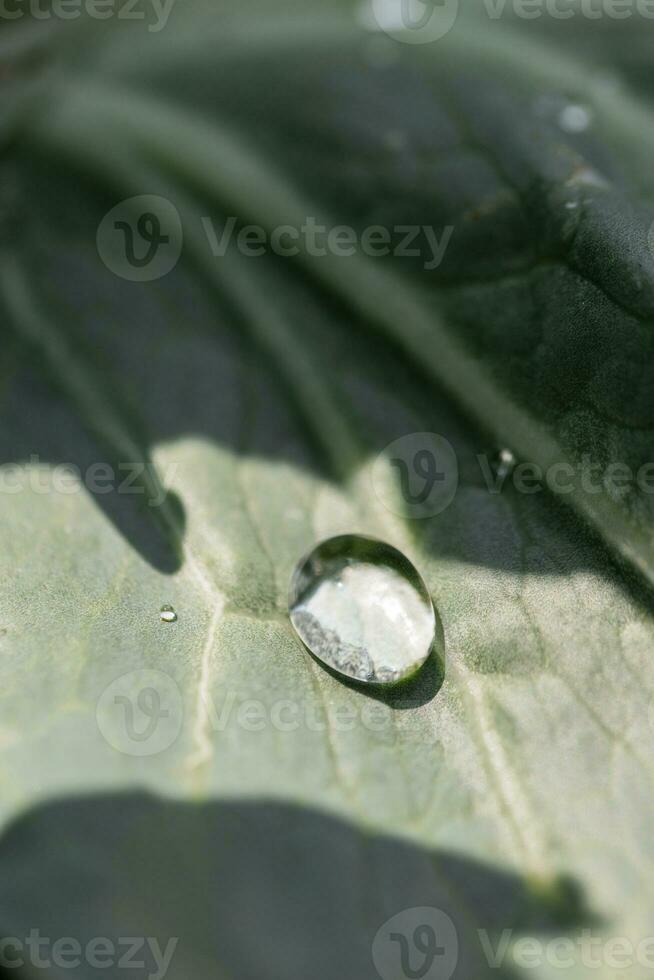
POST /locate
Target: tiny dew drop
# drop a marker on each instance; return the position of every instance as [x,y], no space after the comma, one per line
[361,608]
[167,614]
[503,463]
[575,118]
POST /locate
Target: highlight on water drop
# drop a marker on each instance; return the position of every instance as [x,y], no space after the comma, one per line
[167,614]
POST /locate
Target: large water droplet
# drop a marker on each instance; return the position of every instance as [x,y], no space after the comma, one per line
[360,607]
[167,614]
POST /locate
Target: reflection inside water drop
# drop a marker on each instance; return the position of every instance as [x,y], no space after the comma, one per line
[361,607]
[167,614]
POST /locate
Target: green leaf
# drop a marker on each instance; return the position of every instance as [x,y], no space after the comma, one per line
[291,815]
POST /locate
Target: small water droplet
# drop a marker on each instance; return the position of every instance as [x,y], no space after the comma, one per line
[361,607]
[167,614]
[575,118]
[503,463]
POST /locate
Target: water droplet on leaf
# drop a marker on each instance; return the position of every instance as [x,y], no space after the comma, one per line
[168,614]
[361,607]
[503,463]
[575,118]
